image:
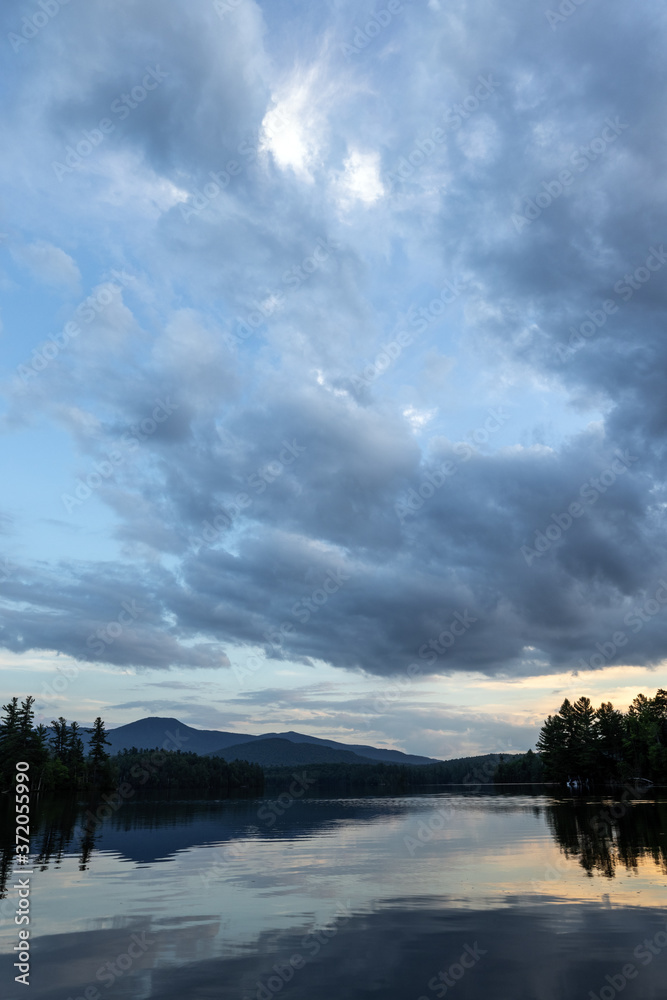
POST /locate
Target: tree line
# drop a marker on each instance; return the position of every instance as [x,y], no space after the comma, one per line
[59,759]
[177,769]
[524,768]
[385,778]
[597,745]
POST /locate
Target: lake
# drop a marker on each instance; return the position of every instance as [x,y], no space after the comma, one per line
[494,895]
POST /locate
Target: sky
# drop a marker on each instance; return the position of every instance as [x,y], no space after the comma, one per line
[332,364]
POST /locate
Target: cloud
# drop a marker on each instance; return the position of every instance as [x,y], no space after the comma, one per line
[360,181]
[50,265]
[291,501]
[91,616]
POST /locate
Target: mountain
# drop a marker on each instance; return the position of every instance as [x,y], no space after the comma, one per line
[375,753]
[285,753]
[146,734]
[170,734]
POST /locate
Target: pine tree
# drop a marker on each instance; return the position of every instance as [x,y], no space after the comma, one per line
[604,743]
[25,718]
[59,738]
[9,739]
[646,737]
[97,754]
[40,754]
[611,726]
[585,742]
[552,748]
[75,756]
[569,742]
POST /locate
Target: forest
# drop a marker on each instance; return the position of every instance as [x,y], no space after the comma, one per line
[67,757]
[598,745]
[384,778]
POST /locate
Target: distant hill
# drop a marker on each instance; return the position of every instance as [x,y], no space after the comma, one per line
[375,753]
[285,753]
[145,734]
[471,773]
[289,749]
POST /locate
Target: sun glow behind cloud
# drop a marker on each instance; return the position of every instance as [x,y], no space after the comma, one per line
[294,130]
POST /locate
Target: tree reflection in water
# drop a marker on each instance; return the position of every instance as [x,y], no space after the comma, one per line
[54,832]
[606,833]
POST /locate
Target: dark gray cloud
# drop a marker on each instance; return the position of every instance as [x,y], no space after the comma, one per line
[294,506]
[97,615]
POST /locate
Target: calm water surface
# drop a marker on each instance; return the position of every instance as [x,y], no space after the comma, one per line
[468,896]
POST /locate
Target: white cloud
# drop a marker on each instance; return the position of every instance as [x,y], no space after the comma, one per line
[49,264]
[360,180]
[294,129]
[129,183]
[480,140]
[418,419]
[286,135]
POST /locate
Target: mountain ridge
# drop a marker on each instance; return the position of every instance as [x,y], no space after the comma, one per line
[171,734]
[285,753]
